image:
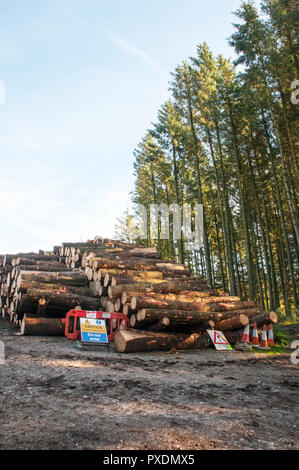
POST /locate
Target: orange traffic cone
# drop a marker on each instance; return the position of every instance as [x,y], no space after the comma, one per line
[271,336]
[264,341]
[245,337]
[255,336]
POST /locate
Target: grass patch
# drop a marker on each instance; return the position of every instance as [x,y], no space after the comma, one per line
[276,350]
[282,340]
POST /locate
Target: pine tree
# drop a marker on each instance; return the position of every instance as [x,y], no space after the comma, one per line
[227,139]
[125,229]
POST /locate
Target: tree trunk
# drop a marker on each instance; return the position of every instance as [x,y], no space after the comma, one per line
[264,319]
[238,321]
[181,317]
[43,268]
[128,341]
[137,264]
[38,259]
[42,326]
[55,304]
[160,325]
[174,286]
[155,302]
[24,286]
[120,276]
[72,278]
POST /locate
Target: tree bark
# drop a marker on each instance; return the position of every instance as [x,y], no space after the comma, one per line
[31,326]
[160,325]
[37,259]
[43,268]
[24,286]
[55,304]
[176,286]
[181,317]
[128,341]
[72,278]
[155,302]
[264,319]
[234,323]
[136,264]
[120,276]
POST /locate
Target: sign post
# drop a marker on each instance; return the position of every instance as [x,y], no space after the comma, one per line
[219,340]
[93,331]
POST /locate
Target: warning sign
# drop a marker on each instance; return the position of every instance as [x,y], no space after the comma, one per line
[91,315]
[93,330]
[219,340]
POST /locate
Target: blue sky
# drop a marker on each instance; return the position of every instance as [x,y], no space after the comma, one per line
[83,81]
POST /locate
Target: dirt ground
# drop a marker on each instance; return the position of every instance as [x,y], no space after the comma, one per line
[54,395]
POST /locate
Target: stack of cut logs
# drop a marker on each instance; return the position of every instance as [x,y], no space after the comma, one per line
[37,290]
[167,308]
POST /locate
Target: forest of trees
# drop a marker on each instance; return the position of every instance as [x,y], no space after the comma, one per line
[228,139]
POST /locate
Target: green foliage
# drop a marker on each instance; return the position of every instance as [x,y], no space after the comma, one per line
[291,316]
[282,337]
[125,229]
[282,342]
[227,139]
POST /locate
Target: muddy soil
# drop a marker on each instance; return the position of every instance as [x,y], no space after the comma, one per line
[54,395]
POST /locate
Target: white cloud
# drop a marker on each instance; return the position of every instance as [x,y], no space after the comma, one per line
[128,47]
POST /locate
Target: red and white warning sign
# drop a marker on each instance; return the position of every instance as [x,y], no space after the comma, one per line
[219,340]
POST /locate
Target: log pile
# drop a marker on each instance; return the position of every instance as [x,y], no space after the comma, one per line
[39,286]
[167,308]
[158,296]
